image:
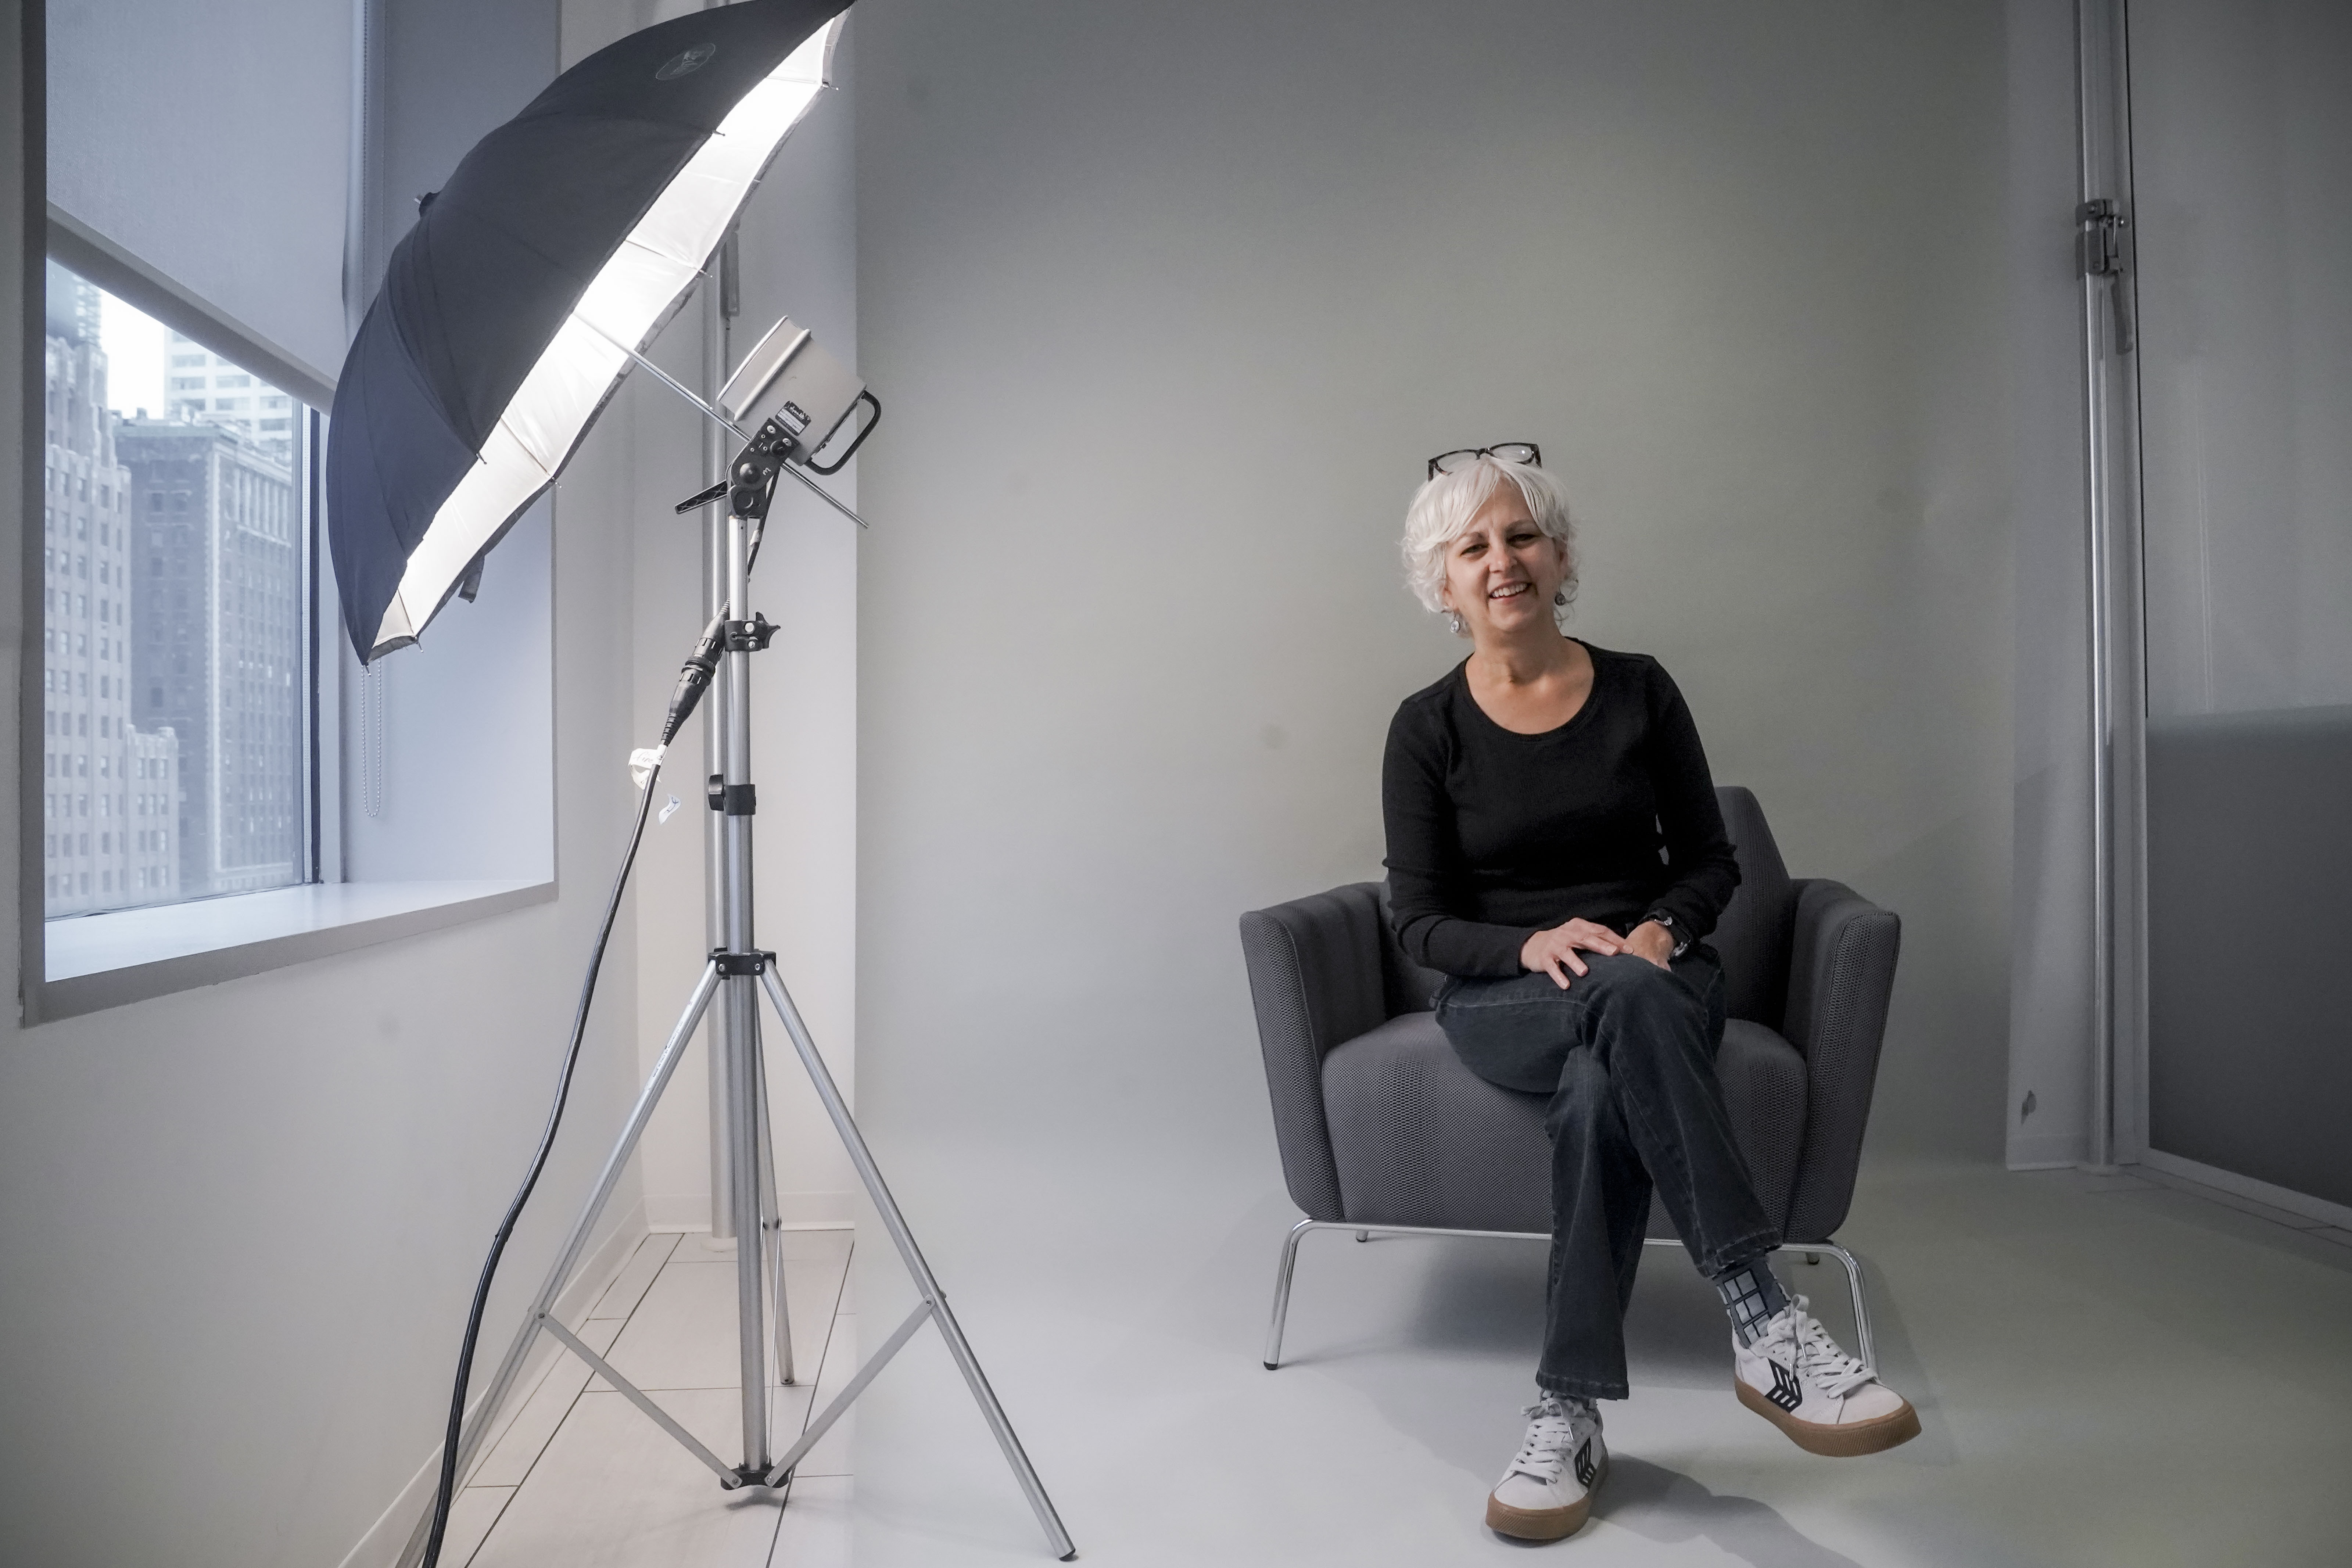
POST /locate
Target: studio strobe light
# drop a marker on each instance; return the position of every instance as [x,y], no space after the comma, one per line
[530,285]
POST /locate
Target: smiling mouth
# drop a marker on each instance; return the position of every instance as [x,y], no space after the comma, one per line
[1509,591]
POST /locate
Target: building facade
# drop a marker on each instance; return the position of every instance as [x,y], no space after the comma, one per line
[201,387]
[216,657]
[101,848]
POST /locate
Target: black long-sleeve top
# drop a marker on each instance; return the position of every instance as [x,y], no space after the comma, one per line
[1493,835]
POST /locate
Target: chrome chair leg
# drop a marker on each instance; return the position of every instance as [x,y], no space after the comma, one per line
[1864,1345]
[1282,1290]
[1289,1262]
[1812,1252]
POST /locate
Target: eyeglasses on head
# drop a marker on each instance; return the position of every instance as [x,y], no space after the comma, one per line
[1525,452]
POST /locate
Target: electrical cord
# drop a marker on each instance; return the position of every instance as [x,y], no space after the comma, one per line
[693,679]
[447,1491]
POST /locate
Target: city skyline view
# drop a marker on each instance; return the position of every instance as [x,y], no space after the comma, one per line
[174,603]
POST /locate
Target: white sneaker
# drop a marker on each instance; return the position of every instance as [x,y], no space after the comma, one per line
[1796,1377]
[1547,1491]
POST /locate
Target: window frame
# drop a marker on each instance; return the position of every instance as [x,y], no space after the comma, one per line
[307,487]
[259,930]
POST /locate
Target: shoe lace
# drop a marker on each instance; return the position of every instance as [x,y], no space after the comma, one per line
[1551,1439]
[1820,1360]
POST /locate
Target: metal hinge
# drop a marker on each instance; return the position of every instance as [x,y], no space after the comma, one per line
[2102,250]
[2099,237]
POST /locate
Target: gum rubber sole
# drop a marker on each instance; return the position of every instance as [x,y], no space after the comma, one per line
[1543,1524]
[1845,1442]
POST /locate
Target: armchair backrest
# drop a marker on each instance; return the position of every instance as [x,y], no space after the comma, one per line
[1760,925]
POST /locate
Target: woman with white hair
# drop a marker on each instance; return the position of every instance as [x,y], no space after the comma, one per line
[1554,850]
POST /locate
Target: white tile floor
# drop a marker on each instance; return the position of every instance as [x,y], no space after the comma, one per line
[2117,1369]
[581,1477]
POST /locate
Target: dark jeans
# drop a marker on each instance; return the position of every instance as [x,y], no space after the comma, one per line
[1627,1055]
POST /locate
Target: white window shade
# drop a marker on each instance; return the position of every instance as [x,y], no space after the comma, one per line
[211,140]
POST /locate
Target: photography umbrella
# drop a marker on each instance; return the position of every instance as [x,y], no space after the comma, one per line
[565,240]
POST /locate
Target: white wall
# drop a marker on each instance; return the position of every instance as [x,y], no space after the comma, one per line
[241,1223]
[1169,305]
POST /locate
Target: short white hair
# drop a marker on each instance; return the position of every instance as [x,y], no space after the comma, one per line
[1440,513]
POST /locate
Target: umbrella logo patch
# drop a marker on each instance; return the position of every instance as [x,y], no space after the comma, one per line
[692,60]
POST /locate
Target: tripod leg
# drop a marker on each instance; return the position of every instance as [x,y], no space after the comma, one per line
[772,1228]
[750,1232]
[896,1224]
[567,1257]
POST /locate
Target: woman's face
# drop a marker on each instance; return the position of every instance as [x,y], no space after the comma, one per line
[1501,573]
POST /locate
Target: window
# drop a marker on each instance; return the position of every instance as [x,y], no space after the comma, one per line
[231,725]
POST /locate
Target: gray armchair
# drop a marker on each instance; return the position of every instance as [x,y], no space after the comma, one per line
[1381,1128]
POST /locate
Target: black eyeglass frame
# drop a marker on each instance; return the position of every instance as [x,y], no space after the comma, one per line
[1534,457]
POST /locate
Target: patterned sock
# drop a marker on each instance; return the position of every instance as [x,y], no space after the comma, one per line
[1569,1406]
[1751,1296]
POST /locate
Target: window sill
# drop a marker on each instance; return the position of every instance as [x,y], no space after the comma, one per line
[95,962]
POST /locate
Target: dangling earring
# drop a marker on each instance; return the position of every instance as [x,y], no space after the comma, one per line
[1453,619]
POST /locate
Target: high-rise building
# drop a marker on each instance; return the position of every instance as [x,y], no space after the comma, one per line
[216,654]
[200,385]
[103,780]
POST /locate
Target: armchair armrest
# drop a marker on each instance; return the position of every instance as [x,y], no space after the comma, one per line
[1840,974]
[1314,982]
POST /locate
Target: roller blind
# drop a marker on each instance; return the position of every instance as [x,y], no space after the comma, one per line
[211,140]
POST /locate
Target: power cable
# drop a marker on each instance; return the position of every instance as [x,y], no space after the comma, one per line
[694,679]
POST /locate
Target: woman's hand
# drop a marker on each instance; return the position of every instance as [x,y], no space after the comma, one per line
[1654,941]
[1553,952]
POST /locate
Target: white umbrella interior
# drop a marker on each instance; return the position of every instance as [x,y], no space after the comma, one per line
[658,261]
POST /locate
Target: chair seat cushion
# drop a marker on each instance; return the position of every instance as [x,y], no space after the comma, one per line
[1419,1138]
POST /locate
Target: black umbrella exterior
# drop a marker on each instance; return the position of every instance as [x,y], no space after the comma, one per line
[567,237]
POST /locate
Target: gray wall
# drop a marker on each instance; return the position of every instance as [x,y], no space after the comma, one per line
[2247,1065]
[1168,304]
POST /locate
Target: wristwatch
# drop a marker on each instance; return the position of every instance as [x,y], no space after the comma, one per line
[1681,939]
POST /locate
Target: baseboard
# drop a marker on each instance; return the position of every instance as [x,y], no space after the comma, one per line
[691,1211]
[388,1537]
[2045,1150]
[2229,1181]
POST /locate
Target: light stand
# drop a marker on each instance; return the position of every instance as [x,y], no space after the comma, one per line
[737,975]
